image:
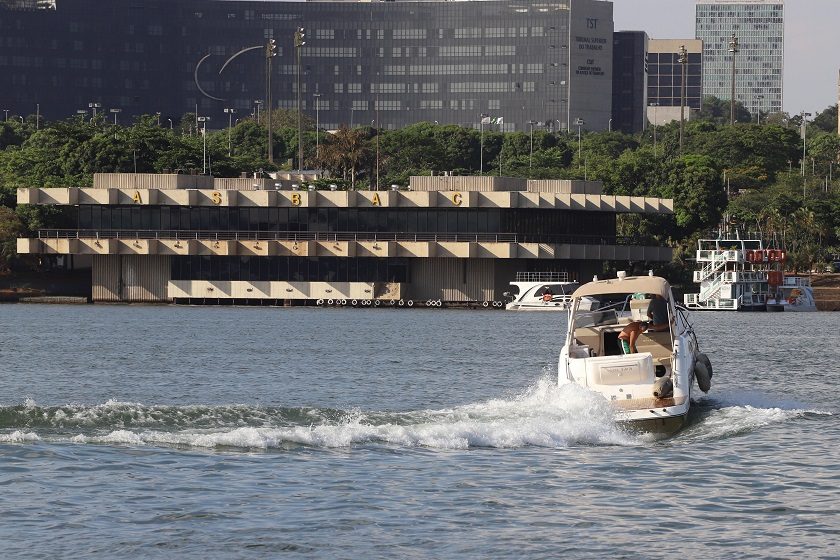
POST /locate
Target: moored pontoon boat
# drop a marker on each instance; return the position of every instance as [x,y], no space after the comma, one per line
[541,291]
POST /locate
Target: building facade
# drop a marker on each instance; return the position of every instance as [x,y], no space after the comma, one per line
[457,240]
[392,63]
[630,81]
[665,73]
[759,26]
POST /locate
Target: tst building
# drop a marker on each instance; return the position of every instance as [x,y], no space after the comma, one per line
[759,26]
[394,63]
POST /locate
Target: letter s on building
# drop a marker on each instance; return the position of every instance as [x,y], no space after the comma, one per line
[216,197]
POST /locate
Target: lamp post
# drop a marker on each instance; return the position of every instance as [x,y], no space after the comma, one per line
[804,132]
[170,123]
[7,115]
[531,153]
[115,112]
[94,106]
[609,126]
[300,36]
[683,60]
[270,52]
[579,122]
[377,153]
[318,128]
[257,103]
[654,105]
[481,119]
[760,103]
[733,48]
[82,113]
[204,120]
[230,111]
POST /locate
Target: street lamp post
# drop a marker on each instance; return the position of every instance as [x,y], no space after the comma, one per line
[230,111]
[170,123]
[760,103]
[654,105]
[300,36]
[683,60]
[204,120]
[115,112]
[270,52]
[94,106]
[481,142]
[318,127]
[579,122]
[733,48]
[257,103]
[377,153]
[7,114]
[804,132]
[82,114]
[531,153]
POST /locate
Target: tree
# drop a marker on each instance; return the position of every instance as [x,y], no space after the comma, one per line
[10,228]
[827,120]
[719,111]
[345,152]
[694,183]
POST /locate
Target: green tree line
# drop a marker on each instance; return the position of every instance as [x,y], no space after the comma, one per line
[749,175]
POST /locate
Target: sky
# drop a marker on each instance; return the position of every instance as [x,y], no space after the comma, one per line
[812,42]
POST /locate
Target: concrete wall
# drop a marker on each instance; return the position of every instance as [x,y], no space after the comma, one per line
[130,278]
[452,279]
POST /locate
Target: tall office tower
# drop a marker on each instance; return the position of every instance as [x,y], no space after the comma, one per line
[759,26]
[630,79]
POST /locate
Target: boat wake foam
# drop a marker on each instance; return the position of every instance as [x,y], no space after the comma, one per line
[545,415]
[740,413]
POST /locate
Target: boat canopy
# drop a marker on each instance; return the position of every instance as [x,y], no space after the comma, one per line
[628,285]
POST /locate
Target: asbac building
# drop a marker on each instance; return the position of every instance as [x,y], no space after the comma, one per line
[457,240]
[395,63]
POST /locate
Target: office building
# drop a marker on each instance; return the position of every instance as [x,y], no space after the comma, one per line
[759,26]
[630,81]
[457,240]
[392,63]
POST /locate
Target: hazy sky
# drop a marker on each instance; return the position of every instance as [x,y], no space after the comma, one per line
[812,42]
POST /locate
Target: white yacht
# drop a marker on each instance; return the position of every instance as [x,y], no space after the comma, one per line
[652,388]
[540,291]
[744,275]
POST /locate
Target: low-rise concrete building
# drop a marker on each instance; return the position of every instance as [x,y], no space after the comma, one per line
[164,238]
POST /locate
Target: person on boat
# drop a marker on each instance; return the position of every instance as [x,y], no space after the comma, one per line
[548,295]
[658,314]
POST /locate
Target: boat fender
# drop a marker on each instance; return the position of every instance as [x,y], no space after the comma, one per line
[319,302]
[663,388]
[701,373]
[354,303]
[402,302]
[485,304]
[377,303]
[344,302]
[706,362]
[439,303]
[410,303]
[329,302]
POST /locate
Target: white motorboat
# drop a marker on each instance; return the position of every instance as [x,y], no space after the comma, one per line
[541,291]
[652,388]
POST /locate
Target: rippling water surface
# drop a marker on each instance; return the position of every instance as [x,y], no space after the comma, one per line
[154,432]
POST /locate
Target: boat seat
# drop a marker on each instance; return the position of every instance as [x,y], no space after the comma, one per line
[659,344]
[639,309]
[590,336]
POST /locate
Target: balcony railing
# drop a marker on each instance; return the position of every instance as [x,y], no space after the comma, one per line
[338,236]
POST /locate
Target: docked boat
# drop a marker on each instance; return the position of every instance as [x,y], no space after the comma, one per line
[744,275]
[651,389]
[540,291]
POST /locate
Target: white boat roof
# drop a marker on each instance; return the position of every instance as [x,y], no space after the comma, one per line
[629,285]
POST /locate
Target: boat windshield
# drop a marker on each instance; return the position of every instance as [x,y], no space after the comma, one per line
[593,311]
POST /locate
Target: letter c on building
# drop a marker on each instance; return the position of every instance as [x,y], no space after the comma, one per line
[457,198]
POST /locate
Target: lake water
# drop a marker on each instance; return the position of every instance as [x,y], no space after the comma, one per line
[156,432]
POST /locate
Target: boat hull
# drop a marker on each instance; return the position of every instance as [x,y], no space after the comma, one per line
[663,426]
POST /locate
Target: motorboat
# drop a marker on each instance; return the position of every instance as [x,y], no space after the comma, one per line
[540,291]
[745,275]
[652,388]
